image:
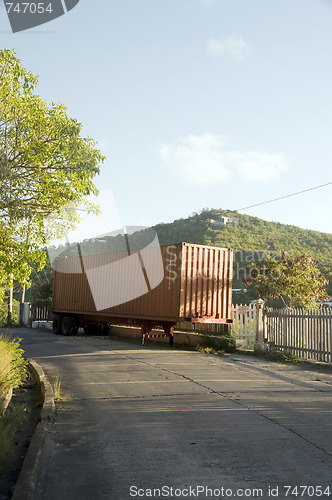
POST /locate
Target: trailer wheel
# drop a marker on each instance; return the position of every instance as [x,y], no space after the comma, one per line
[106,329]
[76,326]
[88,330]
[95,328]
[57,324]
[67,325]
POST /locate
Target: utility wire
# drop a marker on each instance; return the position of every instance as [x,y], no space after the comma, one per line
[283,197]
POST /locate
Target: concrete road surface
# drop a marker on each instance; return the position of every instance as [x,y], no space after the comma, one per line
[154,422]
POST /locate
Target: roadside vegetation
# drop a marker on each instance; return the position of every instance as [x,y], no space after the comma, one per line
[13,372]
[217,345]
[220,345]
[279,356]
[293,278]
[4,314]
[58,396]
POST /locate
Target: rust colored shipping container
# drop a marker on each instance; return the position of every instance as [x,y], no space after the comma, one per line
[151,286]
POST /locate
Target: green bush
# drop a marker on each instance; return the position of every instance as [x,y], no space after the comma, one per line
[13,367]
[4,313]
[225,343]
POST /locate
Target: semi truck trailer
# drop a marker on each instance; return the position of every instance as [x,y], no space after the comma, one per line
[154,286]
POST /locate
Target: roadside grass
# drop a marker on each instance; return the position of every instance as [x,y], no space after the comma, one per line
[13,372]
[226,343]
[216,345]
[280,356]
[13,367]
[58,396]
[211,350]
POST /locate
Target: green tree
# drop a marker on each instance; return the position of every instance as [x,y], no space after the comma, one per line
[293,277]
[45,165]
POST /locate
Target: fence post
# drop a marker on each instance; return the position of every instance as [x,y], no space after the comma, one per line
[259,326]
[23,313]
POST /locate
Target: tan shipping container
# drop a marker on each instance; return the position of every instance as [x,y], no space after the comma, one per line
[155,286]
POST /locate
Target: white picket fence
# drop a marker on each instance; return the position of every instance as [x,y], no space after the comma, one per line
[243,327]
[305,333]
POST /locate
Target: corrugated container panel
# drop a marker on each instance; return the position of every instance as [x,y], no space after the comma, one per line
[162,299]
[206,282]
[167,283]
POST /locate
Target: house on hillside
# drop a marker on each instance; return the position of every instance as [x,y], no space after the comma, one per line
[224,220]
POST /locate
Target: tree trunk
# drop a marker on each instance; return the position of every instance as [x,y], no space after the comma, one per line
[10,307]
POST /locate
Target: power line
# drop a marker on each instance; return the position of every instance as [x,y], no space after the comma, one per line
[283,197]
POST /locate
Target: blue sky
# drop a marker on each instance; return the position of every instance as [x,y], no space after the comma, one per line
[196,103]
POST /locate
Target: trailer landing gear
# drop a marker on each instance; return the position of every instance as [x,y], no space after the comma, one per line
[147,327]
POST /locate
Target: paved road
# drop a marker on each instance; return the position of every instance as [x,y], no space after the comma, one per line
[140,419]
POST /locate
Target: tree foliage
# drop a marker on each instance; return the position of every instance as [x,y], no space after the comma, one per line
[45,165]
[293,277]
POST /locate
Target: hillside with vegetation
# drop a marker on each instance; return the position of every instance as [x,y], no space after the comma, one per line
[250,237]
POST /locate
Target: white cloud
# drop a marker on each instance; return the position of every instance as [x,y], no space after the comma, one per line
[233,46]
[204,160]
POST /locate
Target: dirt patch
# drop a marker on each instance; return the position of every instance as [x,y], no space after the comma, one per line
[30,396]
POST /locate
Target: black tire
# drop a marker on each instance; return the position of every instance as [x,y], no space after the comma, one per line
[88,330]
[94,328]
[106,329]
[57,319]
[67,326]
[76,326]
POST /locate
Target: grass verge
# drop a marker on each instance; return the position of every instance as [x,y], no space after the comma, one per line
[58,396]
[279,356]
[217,345]
[13,372]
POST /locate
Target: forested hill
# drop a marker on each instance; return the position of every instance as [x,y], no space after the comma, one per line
[246,233]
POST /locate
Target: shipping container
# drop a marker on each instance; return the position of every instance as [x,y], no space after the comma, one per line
[153,286]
